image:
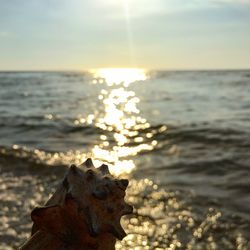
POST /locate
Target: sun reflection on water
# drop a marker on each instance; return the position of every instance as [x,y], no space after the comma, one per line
[117,76]
[121,121]
[123,132]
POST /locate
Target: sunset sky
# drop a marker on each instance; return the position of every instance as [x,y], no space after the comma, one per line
[157,34]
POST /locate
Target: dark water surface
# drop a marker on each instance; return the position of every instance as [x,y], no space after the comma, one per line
[182,138]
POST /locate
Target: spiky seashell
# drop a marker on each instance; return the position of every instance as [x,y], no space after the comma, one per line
[99,198]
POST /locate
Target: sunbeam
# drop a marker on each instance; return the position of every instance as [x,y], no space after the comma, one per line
[129,33]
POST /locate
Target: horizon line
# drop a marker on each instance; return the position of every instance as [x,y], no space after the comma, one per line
[141,68]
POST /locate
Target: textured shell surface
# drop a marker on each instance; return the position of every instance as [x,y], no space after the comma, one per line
[99,197]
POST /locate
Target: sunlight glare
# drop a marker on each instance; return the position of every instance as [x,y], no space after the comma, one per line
[117,76]
[124,131]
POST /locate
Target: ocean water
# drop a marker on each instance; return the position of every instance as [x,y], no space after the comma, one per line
[182,139]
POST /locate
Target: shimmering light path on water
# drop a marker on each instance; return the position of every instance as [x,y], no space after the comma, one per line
[120,118]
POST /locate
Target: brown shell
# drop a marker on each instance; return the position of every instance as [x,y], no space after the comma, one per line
[99,198]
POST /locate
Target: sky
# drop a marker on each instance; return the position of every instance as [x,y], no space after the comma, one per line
[154,34]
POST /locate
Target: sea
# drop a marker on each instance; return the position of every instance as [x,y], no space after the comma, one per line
[182,138]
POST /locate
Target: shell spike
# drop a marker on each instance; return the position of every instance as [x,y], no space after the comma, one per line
[73,168]
[118,231]
[123,183]
[128,209]
[104,169]
[88,163]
